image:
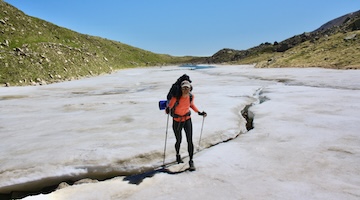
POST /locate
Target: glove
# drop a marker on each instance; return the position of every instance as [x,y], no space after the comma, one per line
[203,113]
[167,110]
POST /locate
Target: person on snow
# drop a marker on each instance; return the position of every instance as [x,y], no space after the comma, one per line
[180,111]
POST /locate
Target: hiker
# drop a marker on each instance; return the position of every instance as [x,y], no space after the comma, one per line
[179,107]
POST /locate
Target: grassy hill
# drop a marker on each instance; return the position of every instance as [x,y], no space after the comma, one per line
[335,44]
[334,52]
[33,51]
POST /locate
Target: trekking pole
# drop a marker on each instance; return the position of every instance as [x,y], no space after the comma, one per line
[167,125]
[202,126]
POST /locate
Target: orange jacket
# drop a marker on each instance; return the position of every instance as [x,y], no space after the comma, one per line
[183,107]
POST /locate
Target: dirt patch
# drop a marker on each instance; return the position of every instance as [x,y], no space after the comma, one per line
[10,97]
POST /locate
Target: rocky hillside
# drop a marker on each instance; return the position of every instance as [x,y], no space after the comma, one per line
[335,44]
[33,51]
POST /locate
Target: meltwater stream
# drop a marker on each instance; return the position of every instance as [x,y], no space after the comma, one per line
[101,173]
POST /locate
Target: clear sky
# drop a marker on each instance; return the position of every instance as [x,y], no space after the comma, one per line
[189,27]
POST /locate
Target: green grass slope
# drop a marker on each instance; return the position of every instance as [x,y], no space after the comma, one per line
[33,51]
[339,51]
[335,44]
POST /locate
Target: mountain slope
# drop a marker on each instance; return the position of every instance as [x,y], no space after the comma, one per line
[335,44]
[33,51]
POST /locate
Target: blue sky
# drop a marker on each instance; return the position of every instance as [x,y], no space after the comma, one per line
[189,27]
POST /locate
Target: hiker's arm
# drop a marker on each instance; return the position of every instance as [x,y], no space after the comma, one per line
[172,102]
[170,105]
[192,105]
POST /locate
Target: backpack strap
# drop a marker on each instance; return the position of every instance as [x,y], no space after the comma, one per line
[172,111]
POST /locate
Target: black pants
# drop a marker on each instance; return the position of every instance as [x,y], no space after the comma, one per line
[177,127]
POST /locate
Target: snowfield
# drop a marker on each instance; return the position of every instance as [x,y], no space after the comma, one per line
[305,143]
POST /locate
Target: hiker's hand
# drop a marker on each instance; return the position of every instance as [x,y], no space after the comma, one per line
[167,110]
[203,113]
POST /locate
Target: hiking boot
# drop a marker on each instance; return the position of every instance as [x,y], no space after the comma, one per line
[192,166]
[178,159]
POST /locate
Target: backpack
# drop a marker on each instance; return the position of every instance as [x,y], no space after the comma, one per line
[175,91]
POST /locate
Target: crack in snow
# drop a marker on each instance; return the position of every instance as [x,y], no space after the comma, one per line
[134,175]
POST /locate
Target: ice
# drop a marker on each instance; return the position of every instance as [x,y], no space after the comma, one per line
[305,143]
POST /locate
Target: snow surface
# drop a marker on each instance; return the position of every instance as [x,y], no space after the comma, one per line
[305,143]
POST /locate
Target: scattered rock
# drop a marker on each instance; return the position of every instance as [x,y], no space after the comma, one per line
[87,180]
[17,49]
[33,83]
[350,37]
[58,76]
[6,43]
[62,185]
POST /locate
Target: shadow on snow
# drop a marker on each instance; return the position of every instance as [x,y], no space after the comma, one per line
[138,178]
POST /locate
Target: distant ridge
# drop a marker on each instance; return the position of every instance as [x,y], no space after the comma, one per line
[333,45]
[340,21]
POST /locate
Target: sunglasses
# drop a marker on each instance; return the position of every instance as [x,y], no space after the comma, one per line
[185,88]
